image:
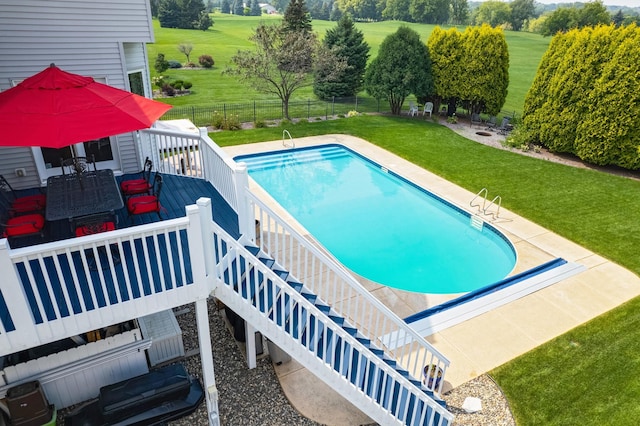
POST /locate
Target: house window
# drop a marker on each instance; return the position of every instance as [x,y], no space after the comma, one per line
[136,83]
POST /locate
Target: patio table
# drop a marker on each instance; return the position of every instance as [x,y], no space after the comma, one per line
[84,194]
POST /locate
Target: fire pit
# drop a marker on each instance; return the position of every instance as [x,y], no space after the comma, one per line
[483,133]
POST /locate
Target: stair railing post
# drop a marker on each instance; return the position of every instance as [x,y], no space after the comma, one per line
[245,215]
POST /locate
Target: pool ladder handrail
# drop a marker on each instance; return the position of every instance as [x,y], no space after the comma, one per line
[497,201]
[293,144]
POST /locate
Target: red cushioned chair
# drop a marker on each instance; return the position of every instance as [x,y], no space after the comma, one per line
[139,186]
[22,226]
[94,224]
[143,204]
[25,204]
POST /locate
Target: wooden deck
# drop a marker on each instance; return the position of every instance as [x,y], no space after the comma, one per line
[177,192]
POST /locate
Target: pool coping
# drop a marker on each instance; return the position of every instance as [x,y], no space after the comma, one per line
[488,340]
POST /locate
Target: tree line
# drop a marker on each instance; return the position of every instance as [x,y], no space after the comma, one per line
[516,15]
[467,69]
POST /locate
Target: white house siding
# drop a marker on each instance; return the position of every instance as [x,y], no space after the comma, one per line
[87,37]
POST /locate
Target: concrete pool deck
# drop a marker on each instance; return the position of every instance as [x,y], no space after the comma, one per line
[491,339]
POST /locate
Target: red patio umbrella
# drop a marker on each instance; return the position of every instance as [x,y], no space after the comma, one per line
[54,109]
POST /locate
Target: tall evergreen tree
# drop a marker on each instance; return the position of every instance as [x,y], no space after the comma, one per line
[255,8]
[238,8]
[190,11]
[225,7]
[296,17]
[346,42]
[169,14]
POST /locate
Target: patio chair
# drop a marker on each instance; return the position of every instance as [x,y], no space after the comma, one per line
[23,204]
[23,226]
[428,108]
[413,108]
[94,224]
[143,204]
[78,165]
[505,127]
[141,185]
[492,123]
[475,119]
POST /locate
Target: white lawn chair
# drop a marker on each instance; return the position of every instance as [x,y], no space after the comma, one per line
[413,108]
[428,108]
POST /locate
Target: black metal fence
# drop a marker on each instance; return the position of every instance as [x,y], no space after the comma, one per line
[272,110]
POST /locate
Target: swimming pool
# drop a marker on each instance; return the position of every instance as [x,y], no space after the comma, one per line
[380,225]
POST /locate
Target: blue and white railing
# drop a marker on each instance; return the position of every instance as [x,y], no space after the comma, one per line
[60,289]
[335,285]
[286,312]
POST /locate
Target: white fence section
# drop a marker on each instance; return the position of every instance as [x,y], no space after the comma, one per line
[69,287]
[295,324]
[336,286]
[77,374]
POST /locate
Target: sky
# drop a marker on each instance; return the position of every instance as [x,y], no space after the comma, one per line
[631,3]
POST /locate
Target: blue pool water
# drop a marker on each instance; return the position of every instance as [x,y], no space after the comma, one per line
[380,225]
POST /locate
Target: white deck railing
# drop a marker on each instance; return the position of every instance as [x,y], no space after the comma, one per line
[69,287]
[336,286]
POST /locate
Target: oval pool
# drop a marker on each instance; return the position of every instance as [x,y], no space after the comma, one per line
[380,225]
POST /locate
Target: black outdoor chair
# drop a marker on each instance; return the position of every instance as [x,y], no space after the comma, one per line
[505,127]
[141,185]
[78,165]
[143,204]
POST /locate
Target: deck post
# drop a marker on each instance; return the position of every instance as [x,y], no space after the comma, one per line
[206,359]
[206,218]
[246,221]
[250,345]
[19,313]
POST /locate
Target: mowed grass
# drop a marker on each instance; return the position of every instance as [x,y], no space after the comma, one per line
[589,375]
[231,33]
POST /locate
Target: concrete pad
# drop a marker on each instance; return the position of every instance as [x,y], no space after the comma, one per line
[315,400]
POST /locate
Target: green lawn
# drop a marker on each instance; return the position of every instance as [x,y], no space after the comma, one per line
[231,33]
[589,375]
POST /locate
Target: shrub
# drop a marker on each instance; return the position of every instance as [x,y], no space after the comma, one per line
[190,65]
[187,85]
[159,81]
[230,122]
[206,61]
[352,113]
[161,63]
[259,124]
[174,64]
[176,84]
[168,90]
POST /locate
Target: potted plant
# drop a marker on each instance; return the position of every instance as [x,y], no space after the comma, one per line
[431,376]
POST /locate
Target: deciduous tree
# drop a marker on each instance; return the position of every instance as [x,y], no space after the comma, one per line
[282,62]
[402,67]
[521,11]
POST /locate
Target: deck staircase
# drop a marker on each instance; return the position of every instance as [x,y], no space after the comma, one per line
[288,313]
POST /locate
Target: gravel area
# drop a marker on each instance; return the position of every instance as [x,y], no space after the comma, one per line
[254,397]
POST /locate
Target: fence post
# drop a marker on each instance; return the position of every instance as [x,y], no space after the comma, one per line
[193,114]
[308,108]
[333,105]
[356,103]
[254,112]
[224,112]
[326,110]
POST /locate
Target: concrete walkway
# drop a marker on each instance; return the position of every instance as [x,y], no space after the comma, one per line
[489,340]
